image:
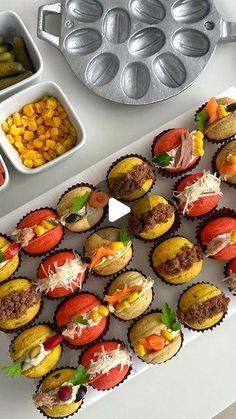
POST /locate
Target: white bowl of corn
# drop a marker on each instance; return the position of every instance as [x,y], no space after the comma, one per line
[39,128]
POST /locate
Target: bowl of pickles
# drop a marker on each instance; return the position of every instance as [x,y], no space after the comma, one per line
[20,61]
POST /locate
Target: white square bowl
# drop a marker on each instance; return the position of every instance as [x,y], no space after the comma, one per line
[12,25]
[7,180]
[30,95]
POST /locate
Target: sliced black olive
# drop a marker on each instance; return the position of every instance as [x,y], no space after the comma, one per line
[81,393]
[231,107]
[72,218]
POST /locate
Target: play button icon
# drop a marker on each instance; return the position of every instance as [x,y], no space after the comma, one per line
[117,210]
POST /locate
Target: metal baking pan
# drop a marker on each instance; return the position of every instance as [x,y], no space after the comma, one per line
[135,51]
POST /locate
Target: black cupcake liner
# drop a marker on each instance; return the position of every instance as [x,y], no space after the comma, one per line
[123,158]
[31,323]
[172,230]
[115,273]
[153,311]
[214,168]
[163,171]
[38,387]
[53,253]
[108,286]
[208,328]
[105,209]
[59,329]
[186,216]
[53,248]
[120,342]
[7,237]
[156,273]
[218,213]
[225,140]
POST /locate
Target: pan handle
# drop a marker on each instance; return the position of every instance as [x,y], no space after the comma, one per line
[228,31]
[43,12]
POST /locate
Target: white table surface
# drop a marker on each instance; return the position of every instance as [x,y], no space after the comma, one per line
[200,382]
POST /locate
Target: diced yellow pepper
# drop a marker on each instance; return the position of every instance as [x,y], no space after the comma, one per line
[167,335]
[47,225]
[95,316]
[132,297]
[141,351]
[39,230]
[103,311]
[116,246]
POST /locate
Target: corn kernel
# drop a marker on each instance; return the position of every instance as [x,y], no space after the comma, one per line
[48,134]
[141,351]
[41,130]
[222,111]
[14,130]
[198,152]
[38,107]
[21,149]
[47,156]
[5,127]
[24,121]
[28,135]
[28,163]
[198,135]
[18,144]
[47,114]
[73,131]
[60,109]
[52,153]
[103,311]
[38,143]
[30,154]
[30,145]
[233,236]
[40,121]
[64,129]
[51,144]
[116,246]
[42,137]
[28,110]
[17,119]
[47,225]
[51,103]
[122,306]
[56,121]
[132,297]
[10,121]
[198,143]
[38,162]
[49,122]
[10,139]
[167,335]
[67,144]
[60,149]
[95,316]
[54,132]
[39,230]
[63,115]
[32,126]
[232,159]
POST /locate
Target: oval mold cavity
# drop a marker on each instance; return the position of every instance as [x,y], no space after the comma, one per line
[190,11]
[191,43]
[83,41]
[169,70]
[102,69]
[148,11]
[116,26]
[87,11]
[146,42]
[135,80]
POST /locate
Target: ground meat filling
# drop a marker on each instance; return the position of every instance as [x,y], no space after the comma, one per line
[185,259]
[149,220]
[16,303]
[199,312]
[129,182]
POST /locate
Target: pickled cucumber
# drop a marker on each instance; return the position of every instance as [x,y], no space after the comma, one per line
[4,48]
[1,40]
[21,52]
[9,81]
[10,69]
[5,57]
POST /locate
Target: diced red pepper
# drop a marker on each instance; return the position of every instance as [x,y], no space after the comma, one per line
[53,341]
[11,251]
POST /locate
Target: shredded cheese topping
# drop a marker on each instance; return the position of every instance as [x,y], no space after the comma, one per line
[64,276]
[74,329]
[109,359]
[207,185]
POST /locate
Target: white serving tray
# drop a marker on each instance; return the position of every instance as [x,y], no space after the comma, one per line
[213,271]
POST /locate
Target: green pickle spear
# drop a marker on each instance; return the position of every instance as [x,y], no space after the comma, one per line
[21,52]
[10,69]
[9,81]
[5,57]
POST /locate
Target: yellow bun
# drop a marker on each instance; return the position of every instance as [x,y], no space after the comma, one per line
[200,293]
[85,223]
[138,307]
[103,238]
[224,127]
[19,284]
[123,167]
[26,341]
[147,204]
[149,325]
[168,250]
[53,381]
[228,149]
[12,264]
